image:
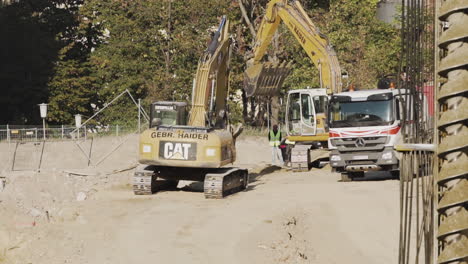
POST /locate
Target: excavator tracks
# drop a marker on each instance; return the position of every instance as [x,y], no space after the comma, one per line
[218,185]
[142,182]
[147,182]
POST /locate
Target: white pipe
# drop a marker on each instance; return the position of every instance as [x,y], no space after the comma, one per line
[213,82]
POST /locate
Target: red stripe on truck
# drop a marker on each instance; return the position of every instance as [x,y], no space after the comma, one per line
[388,131]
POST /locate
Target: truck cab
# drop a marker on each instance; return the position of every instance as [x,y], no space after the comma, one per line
[364,127]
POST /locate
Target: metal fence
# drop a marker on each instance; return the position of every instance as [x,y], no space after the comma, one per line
[15,133]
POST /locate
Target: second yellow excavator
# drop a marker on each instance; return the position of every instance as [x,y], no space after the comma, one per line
[306,109]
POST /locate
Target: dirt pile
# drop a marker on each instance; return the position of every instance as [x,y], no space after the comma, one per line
[91,216]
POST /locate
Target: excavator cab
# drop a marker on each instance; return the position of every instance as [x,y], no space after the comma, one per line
[306,112]
[168,114]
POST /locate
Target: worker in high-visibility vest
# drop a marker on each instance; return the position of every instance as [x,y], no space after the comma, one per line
[274,137]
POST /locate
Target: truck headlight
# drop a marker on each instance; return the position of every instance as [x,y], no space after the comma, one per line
[335,158]
[146,148]
[387,155]
[210,152]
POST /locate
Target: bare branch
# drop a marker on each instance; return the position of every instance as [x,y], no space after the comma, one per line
[246,18]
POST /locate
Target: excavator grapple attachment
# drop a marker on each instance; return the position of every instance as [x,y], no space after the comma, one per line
[266,78]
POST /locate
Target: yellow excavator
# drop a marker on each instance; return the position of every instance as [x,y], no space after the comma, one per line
[307,131]
[174,148]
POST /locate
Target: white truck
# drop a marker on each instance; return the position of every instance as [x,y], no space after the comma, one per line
[364,127]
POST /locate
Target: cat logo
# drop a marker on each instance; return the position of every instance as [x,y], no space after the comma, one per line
[177,150]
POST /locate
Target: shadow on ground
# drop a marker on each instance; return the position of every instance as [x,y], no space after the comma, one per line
[255,176]
[376,176]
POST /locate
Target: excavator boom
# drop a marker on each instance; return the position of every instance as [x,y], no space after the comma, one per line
[211,81]
[267,78]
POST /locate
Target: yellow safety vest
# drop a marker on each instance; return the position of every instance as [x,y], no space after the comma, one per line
[275,139]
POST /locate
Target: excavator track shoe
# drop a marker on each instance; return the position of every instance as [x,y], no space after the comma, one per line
[147,182]
[142,183]
[218,185]
[300,158]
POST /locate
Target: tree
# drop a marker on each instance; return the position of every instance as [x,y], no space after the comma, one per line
[30,31]
[367,48]
[149,47]
[73,91]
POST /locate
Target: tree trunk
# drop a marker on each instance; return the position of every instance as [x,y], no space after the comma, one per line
[253,106]
[245,107]
[247,19]
[167,53]
[275,107]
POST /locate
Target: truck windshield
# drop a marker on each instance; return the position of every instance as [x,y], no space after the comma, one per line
[363,113]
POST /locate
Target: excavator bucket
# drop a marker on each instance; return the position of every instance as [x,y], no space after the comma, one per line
[266,78]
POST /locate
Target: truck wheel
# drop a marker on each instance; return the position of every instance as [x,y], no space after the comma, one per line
[345,177]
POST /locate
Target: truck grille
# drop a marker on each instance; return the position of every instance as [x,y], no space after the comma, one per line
[360,143]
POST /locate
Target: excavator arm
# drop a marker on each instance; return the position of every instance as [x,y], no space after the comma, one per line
[267,78]
[211,83]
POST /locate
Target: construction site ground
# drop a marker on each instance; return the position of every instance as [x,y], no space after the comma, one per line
[91,216]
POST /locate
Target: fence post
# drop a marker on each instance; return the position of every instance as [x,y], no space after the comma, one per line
[36,132]
[117,130]
[43,128]
[62,131]
[8,133]
[139,115]
[85,133]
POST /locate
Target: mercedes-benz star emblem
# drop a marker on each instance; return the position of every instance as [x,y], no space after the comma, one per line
[360,142]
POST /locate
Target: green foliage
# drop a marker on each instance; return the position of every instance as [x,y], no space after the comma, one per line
[367,48]
[73,90]
[28,51]
[90,51]
[149,47]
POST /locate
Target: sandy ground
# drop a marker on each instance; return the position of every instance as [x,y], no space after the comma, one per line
[283,217]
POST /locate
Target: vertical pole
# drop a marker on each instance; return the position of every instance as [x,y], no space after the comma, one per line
[117,130]
[139,115]
[78,131]
[8,133]
[213,83]
[43,128]
[268,115]
[85,133]
[62,131]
